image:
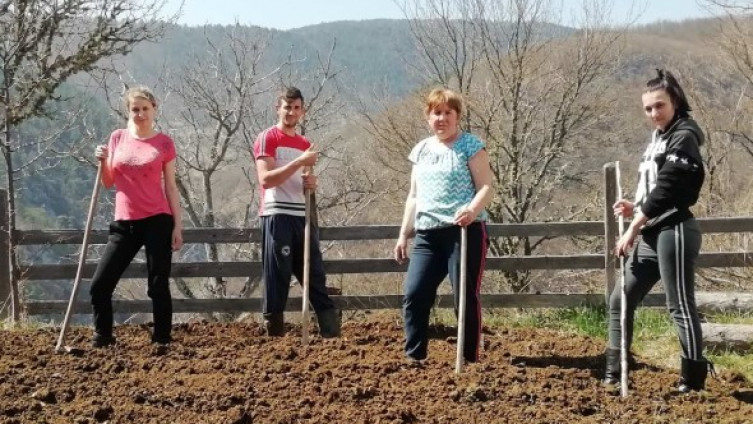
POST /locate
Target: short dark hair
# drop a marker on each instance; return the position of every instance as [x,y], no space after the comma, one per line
[664,80]
[288,94]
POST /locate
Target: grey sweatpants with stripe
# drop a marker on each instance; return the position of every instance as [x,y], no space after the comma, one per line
[669,255]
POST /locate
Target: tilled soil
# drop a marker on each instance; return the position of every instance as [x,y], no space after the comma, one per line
[231,373]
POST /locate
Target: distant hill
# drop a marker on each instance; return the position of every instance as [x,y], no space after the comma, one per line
[371,54]
[375,55]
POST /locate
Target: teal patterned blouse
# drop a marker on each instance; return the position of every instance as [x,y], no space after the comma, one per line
[443,180]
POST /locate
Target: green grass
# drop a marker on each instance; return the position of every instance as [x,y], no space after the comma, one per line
[24,325]
[731,318]
[655,338]
[590,321]
[734,362]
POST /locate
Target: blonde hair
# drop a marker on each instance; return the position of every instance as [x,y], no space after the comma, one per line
[440,96]
[139,92]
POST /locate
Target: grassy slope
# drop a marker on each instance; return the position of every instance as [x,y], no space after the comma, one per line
[655,340]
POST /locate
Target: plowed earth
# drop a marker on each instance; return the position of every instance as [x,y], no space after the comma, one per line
[231,373]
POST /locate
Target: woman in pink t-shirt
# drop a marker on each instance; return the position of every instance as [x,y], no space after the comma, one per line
[140,162]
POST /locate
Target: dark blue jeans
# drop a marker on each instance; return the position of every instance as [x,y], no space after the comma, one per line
[126,239]
[282,255]
[436,254]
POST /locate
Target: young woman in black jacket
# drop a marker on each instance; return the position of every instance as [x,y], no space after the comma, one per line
[671,176]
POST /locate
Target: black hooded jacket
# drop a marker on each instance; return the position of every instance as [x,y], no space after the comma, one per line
[671,174]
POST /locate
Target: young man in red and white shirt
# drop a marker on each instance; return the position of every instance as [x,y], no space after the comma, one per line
[283,160]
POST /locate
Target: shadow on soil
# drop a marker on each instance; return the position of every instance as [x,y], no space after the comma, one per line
[744,395]
[594,363]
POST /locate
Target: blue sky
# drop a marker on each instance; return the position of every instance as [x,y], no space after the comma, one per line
[288,14]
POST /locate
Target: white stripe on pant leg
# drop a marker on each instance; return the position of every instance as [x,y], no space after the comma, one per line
[679,278]
[682,296]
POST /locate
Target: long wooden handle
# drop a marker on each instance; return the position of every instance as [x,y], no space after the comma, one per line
[462,296]
[81,259]
[306,270]
[623,298]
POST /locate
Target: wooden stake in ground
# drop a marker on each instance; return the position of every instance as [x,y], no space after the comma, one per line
[623,298]
[306,270]
[462,296]
[81,261]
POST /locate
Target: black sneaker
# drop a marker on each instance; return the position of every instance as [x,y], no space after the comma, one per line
[162,340]
[99,341]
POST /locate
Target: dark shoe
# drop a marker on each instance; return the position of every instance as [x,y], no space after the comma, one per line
[693,374]
[274,324]
[161,349]
[329,323]
[102,341]
[162,340]
[612,371]
[413,362]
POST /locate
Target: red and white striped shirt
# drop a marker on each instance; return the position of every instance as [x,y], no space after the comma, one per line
[287,198]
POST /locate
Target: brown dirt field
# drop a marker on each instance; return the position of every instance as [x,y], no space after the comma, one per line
[230,373]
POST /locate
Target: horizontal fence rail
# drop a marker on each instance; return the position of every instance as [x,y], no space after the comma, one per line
[252,269]
[374,232]
[605,261]
[706,301]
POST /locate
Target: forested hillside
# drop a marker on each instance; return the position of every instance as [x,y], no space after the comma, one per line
[553,104]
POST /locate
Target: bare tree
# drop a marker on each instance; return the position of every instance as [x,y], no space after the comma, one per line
[346,187]
[532,87]
[42,45]
[712,93]
[224,99]
[736,44]
[214,100]
[722,101]
[449,41]
[718,97]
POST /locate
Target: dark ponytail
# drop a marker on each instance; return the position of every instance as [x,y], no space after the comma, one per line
[667,82]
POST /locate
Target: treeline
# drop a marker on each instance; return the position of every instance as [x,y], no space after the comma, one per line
[552,103]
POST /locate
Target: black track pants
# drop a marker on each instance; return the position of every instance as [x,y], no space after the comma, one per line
[669,255]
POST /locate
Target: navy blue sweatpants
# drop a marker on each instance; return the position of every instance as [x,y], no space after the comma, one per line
[282,255]
[435,254]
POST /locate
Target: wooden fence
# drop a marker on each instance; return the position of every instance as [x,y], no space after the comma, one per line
[602,261]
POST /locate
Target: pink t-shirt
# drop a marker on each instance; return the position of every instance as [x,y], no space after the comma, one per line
[137,165]
[287,198]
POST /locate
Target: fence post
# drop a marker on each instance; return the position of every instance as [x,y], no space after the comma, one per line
[5,291]
[610,228]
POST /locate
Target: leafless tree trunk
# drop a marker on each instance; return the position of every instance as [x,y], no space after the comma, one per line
[532,88]
[213,98]
[43,44]
[722,101]
[736,44]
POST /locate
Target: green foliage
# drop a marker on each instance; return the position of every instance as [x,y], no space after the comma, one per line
[654,339]
[652,323]
[588,320]
[54,191]
[35,216]
[730,318]
[733,361]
